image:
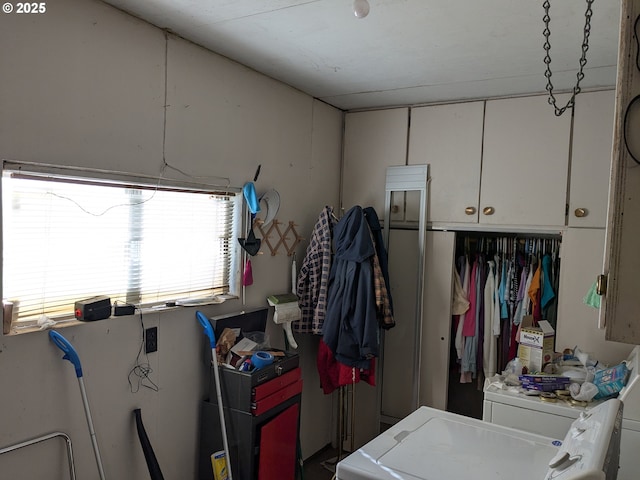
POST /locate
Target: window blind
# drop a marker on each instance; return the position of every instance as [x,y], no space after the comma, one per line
[69,239]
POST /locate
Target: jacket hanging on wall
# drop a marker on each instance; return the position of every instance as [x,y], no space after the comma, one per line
[351,322]
[313,279]
[343,291]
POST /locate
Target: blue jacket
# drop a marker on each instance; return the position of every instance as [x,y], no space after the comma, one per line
[351,327]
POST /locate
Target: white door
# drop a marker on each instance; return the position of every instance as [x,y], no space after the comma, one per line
[622,261]
[581,262]
[591,159]
[436,325]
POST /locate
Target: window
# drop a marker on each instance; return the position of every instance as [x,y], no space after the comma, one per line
[67,239]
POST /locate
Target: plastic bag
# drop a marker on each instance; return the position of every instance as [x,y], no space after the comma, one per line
[514,367]
[512,372]
[583,392]
[611,380]
[261,339]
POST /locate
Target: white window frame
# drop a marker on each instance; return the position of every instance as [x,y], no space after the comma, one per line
[149,190]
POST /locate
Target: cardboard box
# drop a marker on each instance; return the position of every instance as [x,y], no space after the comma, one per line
[544,383]
[540,337]
[536,344]
[534,358]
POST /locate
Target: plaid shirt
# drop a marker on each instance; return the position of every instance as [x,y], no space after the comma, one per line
[313,278]
[383,306]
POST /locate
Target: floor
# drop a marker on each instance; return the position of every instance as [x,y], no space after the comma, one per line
[320,466]
[464,399]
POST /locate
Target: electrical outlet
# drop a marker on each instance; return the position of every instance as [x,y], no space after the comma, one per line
[151,340]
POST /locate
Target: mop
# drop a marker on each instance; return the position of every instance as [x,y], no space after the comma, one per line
[71,355]
[208,331]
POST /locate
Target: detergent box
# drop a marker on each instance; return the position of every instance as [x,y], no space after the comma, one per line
[536,344]
[541,336]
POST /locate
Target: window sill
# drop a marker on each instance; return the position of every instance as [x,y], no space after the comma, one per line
[163,307]
[30,328]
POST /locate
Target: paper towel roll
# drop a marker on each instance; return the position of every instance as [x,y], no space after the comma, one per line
[285,313]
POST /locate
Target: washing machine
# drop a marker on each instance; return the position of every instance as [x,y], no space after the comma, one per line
[431,444]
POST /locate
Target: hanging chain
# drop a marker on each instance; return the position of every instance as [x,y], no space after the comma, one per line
[547,58]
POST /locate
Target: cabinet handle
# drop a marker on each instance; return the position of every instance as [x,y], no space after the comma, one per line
[488,210]
[601,285]
[395,209]
[581,212]
[470,210]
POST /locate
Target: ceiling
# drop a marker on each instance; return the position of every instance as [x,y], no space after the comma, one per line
[405,52]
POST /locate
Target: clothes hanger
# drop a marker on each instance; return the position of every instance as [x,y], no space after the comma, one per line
[333,215]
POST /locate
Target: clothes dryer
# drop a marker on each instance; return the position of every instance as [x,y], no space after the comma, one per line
[511,408]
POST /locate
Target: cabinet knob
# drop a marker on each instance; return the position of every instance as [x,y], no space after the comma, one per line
[581,212]
[488,210]
[395,208]
[470,210]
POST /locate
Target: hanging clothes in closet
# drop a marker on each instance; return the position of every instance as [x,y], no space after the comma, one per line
[358,302]
[498,280]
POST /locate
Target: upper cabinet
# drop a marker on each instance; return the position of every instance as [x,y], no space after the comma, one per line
[591,159]
[449,139]
[373,141]
[500,162]
[524,163]
[507,162]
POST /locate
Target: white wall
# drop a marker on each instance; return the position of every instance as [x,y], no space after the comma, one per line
[84,85]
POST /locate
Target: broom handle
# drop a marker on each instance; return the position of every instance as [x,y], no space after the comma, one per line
[71,355]
[211,335]
[91,430]
[221,411]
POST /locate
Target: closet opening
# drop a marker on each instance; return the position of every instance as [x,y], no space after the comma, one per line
[499,278]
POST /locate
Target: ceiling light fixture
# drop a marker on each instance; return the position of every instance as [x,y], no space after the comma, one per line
[360,8]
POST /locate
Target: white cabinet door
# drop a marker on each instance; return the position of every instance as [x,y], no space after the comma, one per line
[581,262]
[525,163]
[591,159]
[622,261]
[436,324]
[372,141]
[398,375]
[449,139]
